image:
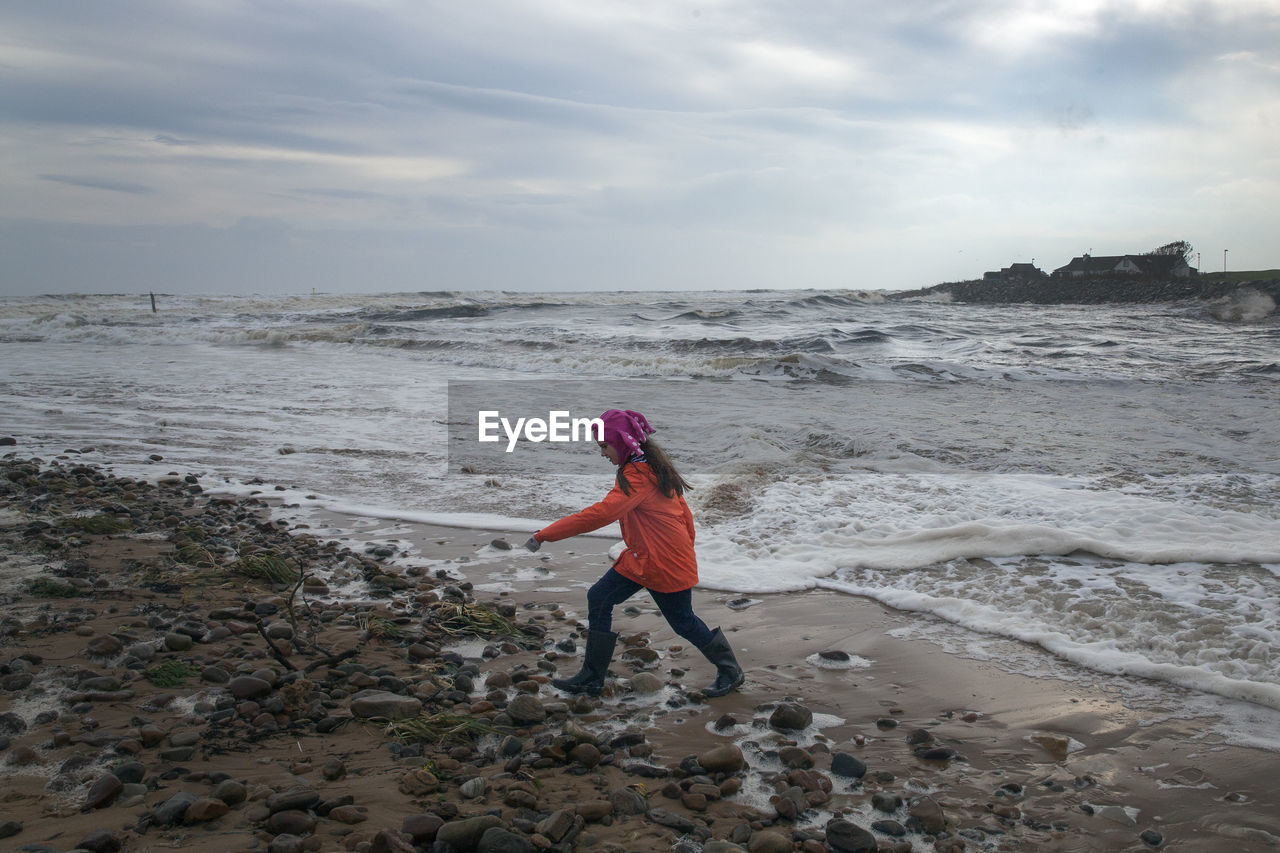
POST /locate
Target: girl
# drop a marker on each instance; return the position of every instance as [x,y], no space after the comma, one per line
[647,501]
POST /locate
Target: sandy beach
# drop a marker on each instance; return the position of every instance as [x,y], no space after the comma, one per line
[282,735]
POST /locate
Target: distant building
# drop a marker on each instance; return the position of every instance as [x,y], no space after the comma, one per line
[1154,266]
[1016,272]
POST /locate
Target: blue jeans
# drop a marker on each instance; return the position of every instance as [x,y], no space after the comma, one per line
[677,607]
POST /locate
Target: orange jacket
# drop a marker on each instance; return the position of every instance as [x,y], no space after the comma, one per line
[658,532]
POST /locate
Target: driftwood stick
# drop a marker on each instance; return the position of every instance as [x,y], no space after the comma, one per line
[332,659]
[275,652]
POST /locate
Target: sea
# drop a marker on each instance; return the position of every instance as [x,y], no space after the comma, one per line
[1098,483]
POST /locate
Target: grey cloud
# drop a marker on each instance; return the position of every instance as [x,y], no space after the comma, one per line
[611,120]
[99,184]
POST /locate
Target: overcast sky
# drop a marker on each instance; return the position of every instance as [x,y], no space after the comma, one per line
[230,146]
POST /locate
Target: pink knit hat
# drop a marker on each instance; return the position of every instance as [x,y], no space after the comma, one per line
[625,431]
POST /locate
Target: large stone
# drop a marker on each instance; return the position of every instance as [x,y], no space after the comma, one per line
[627,801]
[247,687]
[671,820]
[848,766]
[886,801]
[769,842]
[927,814]
[390,841]
[205,809]
[846,837]
[422,827]
[176,642]
[12,724]
[465,834]
[889,827]
[230,792]
[172,811]
[556,825]
[291,822]
[348,814]
[101,841]
[586,754]
[419,782]
[526,710]
[103,791]
[593,811]
[104,646]
[646,683]
[294,799]
[790,716]
[795,758]
[499,840]
[286,844]
[725,758]
[384,705]
[129,771]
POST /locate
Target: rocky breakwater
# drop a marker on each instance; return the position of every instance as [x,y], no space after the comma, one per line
[1096,290]
[175,674]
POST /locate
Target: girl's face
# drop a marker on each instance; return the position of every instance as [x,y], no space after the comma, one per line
[607,451]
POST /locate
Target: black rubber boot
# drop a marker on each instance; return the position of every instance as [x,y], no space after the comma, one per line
[728,674]
[595,665]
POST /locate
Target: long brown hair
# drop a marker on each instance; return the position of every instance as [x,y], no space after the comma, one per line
[670,483]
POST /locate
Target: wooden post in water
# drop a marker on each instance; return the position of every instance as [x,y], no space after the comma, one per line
[153,302]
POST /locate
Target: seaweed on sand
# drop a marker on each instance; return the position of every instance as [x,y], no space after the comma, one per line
[458,619]
[439,728]
[171,673]
[267,567]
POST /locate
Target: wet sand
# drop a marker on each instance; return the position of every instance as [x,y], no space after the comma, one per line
[1014,762]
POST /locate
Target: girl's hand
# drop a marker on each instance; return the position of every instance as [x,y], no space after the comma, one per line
[532,544]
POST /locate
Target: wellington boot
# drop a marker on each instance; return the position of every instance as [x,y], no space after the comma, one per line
[595,665]
[729,675]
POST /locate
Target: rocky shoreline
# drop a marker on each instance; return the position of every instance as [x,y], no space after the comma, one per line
[177,673]
[1092,290]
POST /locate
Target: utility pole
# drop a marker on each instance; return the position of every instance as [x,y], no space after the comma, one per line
[1224,260]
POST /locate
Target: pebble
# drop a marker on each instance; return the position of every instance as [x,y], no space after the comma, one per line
[380,703]
[104,646]
[790,716]
[177,642]
[795,758]
[646,683]
[465,834]
[927,814]
[767,841]
[248,687]
[526,709]
[419,783]
[500,840]
[205,809]
[847,837]
[101,841]
[294,799]
[230,791]
[172,811]
[725,758]
[290,822]
[848,766]
[472,788]
[103,791]
[626,801]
